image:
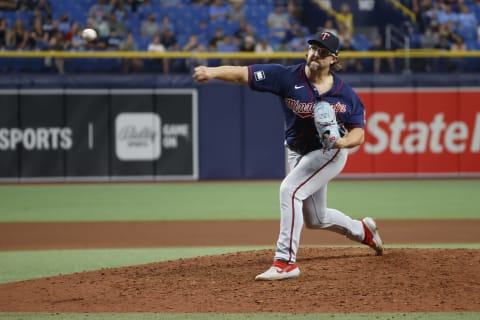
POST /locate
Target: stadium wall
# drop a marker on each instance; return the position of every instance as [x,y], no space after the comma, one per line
[419,125]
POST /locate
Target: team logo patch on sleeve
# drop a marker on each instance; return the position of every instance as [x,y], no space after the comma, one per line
[259,75]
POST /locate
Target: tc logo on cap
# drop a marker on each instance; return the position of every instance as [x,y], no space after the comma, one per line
[325,35]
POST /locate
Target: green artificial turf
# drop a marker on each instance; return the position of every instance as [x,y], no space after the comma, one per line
[402,199]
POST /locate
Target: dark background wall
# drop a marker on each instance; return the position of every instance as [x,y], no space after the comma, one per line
[240,131]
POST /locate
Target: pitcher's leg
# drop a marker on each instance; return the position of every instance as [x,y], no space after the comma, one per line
[311,173]
[318,216]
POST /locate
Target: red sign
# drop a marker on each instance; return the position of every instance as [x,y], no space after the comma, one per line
[430,132]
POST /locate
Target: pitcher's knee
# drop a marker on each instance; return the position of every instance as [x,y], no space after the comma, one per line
[288,191]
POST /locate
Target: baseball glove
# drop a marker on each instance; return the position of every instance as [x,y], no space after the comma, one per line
[326,124]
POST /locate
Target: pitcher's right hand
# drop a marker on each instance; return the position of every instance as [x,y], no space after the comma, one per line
[201,74]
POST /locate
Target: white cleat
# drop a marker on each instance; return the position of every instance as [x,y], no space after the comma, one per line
[279,271]
[372,237]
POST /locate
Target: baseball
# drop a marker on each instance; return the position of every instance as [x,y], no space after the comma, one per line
[89,34]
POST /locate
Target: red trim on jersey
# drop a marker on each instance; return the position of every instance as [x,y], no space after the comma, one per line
[250,76]
[293,200]
[340,86]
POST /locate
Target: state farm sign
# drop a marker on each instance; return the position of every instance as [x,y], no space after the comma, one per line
[419,132]
[437,136]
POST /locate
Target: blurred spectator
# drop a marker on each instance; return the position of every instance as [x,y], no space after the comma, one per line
[345,17]
[350,64]
[293,11]
[103,27]
[169,41]
[420,7]
[74,37]
[476,9]
[283,46]
[199,2]
[3,33]
[133,5]
[202,30]
[117,27]
[296,31]
[145,9]
[8,5]
[467,23]
[38,35]
[278,22]
[58,43]
[343,33]
[150,26]
[241,31]
[429,39]
[218,11]
[457,64]
[193,45]
[64,24]
[120,11]
[114,41]
[131,64]
[100,10]
[36,14]
[263,46]
[171,3]
[227,44]
[245,45]
[447,16]
[44,7]
[51,27]
[157,46]
[248,44]
[430,15]
[441,64]
[297,38]
[217,37]
[166,24]
[381,65]
[328,26]
[17,36]
[237,12]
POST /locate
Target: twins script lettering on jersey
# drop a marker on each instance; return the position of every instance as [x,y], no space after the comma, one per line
[339,107]
[302,109]
[305,109]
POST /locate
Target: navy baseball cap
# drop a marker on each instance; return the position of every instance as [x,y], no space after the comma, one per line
[327,40]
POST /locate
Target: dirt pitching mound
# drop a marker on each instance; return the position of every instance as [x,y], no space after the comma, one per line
[332,280]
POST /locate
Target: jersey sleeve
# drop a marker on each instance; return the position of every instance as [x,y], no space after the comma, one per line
[357,115]
[266,77]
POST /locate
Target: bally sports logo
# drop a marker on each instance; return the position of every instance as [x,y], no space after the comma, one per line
[138,136]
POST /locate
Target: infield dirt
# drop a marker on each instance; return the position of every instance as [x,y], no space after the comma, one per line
[341,279]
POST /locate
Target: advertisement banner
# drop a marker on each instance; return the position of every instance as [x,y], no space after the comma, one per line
[9,153]
[87,115]
[419,132]
[41,134]
[155,133]
[98,134]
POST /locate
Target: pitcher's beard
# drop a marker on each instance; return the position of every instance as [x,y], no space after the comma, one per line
[315,65]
